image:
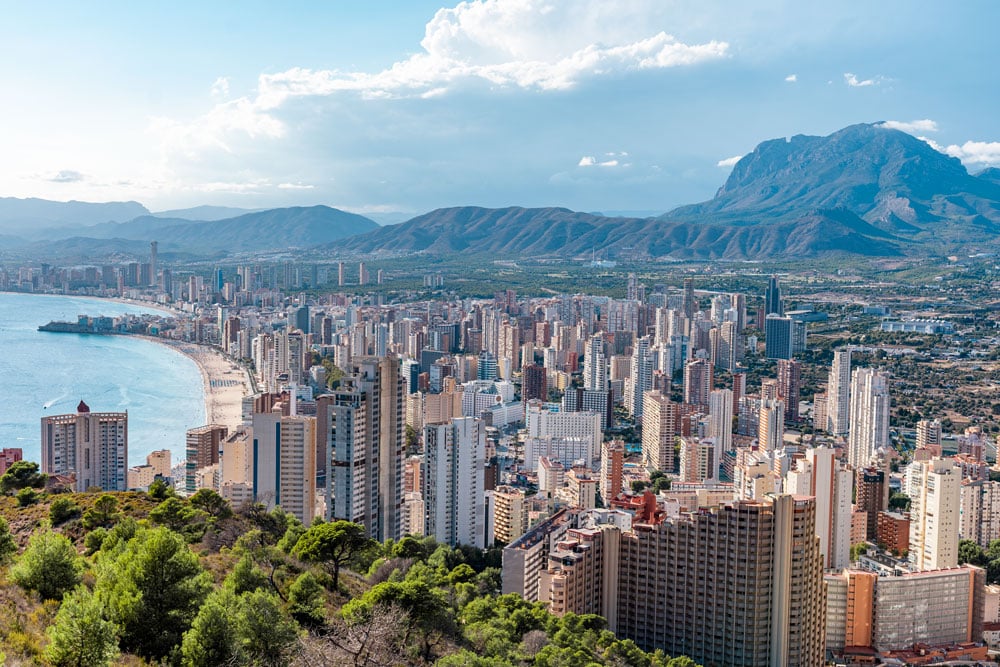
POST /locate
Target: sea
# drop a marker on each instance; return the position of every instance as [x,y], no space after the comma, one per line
[50,373]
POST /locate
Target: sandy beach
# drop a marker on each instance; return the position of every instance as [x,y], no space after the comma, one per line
[225,383]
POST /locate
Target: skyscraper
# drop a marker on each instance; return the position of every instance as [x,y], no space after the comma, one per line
[152,263]
[772,298]
[343,428]
[533,383]
[640,378]
[778,337]
[720,420]
[872,496]
[452,478]
[838,393]
[869,416]
[771,425]
[202,450]
[93,446]
[284,462]
[612,469]
[935,497]
[659,429]
[363,424]
[789,382]
[383,386]
[739,585]
[698,381]
[595,365]
[689,305]
[730,347]
[831,483]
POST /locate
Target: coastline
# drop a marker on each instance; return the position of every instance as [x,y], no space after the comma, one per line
[225,383]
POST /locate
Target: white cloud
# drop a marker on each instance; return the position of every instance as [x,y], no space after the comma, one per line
[912,126]
[221,87]
[853,81]
[234,187]
[213,130]
[535,45]
[451,57]
[65,176]
[986,153]
[971,153]
[591,161]
[295,186]
[792,78]
[729,161]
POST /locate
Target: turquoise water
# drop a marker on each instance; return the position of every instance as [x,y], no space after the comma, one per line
[50,373]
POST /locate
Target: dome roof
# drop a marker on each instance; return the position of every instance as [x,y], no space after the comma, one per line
[83,407]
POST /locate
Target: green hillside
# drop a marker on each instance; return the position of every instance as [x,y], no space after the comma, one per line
[150,578]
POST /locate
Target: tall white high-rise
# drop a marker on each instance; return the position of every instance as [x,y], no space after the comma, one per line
[453,482]
[343,429]
[819,474]
[934,513]
[640,377]
[730,347]
[838,392]
[869,416]
[152,263]
[595,364]
[284,469]
[720,419]
[771,424]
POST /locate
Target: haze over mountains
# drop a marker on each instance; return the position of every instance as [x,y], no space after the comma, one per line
[866,189]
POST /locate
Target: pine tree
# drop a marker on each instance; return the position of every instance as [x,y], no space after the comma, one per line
[80,634]
[50,565]
[152,588]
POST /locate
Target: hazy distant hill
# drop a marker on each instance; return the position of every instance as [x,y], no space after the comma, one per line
[299,227]
[511,230]
[207,213]
[991,174]
[866,189]
[561,232]
[273,229]
[20,216]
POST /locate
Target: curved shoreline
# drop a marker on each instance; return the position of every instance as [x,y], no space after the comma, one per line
[224,382]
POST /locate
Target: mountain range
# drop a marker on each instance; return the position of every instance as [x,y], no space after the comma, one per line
[867,189]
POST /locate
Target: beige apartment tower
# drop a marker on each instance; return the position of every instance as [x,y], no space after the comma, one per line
[659,429]
[737,585]
[93,446]
[934,513]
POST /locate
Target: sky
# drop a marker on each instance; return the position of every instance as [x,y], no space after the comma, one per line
[382,107]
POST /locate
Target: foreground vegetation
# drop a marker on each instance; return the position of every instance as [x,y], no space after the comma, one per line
[141,579]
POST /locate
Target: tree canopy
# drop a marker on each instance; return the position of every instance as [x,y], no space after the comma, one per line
[50,565]
[333,544]
[22,475]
